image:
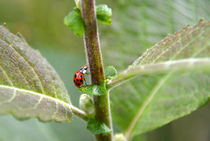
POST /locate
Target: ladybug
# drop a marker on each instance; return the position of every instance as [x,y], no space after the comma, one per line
[79,77]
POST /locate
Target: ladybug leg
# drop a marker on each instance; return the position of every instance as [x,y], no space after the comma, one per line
[85,82]
[87,73]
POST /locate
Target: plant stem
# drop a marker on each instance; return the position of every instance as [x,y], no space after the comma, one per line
[94,57]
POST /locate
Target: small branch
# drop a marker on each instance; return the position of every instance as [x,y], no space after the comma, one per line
[94,57]
[175,66]
[79,112]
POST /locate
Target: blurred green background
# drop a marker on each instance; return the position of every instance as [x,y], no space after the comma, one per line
[137,25]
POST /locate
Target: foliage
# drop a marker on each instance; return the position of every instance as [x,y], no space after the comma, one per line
[104,14]
[166,82]
[29,86]
[96,90]
[97,127]
[87,105]
[74,21]
[167,96]
[110,72]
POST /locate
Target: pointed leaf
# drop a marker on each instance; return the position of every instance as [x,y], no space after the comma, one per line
[97,127]
[154,100]
[96,90]
[140,24]
[29,86]
[75,22]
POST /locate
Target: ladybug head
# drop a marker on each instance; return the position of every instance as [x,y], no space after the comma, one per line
[84,69]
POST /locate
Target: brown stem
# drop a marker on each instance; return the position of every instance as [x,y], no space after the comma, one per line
[94,57]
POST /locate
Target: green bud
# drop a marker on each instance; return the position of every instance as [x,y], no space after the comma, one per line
[75,22]
[104,14]
[86,104]
[119,137]
[77,2]
[110,72]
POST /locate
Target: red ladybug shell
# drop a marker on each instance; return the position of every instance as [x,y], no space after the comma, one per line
[79,79]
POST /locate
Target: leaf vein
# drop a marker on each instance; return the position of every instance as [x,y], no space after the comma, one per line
[10,99]
[67,105]
[133,124]
[5,74]
[26,61]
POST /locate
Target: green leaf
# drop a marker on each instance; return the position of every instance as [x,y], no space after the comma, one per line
[97,127]
[74,21]
[94,89]
[154,100]
[29,86]
[110,72]
[104,14]
[152,21]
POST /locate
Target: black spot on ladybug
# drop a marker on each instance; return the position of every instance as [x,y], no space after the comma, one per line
[81,80]
[75,75]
